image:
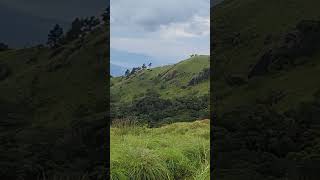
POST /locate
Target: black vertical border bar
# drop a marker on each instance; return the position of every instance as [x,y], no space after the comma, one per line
[108,119]
[211,91]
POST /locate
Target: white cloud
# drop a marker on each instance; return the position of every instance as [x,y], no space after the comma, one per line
[150,14]
[197,26]
[168,29]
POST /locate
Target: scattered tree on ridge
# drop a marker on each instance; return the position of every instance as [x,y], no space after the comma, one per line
[75,31]
[105,15]
[55,36]
[127,73]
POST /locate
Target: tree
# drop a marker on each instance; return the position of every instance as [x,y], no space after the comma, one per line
[105,15]
[127,73]
[90,23]
[144,66]
[55,36]
[76,30]
[134,70]
[150,64]
[93,22]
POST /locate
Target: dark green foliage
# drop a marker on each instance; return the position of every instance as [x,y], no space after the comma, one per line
[75,30]
[268,138]
[55,37]
[75,152]
[80,27]
[154,110]
[135,70]
[127,73]
[105,15]
[90,23]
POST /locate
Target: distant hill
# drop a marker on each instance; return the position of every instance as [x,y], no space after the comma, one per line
[128,59]
[163,95]
[170,81]
[116,70]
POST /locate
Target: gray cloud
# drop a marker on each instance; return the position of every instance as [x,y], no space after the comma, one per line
[63,10]
[151,14]
[168,30]
[27,22]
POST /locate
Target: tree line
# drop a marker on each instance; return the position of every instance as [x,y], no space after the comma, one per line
[79,28]
[136,69]
[150,108]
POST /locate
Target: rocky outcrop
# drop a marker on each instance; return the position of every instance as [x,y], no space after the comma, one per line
[303,41]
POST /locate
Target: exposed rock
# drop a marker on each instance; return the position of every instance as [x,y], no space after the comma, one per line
[304,40]
[171,75]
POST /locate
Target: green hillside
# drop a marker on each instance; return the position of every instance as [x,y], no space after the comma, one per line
[266,56]
[162,95]
[52,99]
[246,30]
[170,81]
[46,78]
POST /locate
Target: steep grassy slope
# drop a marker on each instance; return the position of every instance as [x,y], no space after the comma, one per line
[53,101]
[176,151]
[46,79]
[244,32]
[266,68]
[170,81]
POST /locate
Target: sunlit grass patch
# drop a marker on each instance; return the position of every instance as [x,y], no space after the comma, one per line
[176,151]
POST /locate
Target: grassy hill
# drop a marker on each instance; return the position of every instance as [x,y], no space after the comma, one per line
[266,62]
[52,100]
[162,95]
[176,151]
[170,81]
[169,99]
[245,31]
[46,79]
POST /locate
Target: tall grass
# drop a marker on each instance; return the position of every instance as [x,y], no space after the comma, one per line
[176,151]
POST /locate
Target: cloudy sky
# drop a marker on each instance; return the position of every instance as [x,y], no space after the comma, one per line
[167,31]
[25,22]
